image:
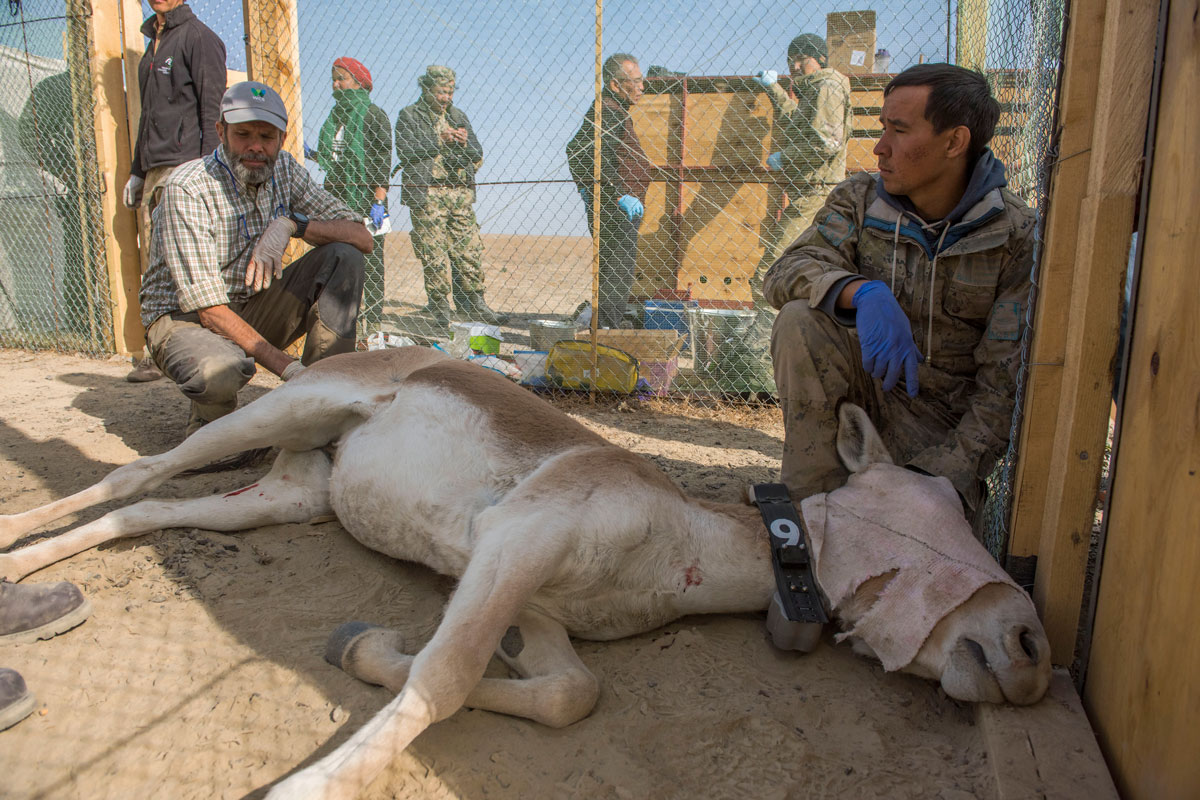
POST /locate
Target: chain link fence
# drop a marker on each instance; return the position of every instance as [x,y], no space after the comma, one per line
[54,288]
[508,246]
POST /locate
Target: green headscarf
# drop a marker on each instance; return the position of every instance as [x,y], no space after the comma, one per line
[349,170]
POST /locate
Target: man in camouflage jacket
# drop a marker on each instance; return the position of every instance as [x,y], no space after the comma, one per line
[439,153]
[921,272]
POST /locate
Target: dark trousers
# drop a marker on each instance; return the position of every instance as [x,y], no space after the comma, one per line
[317,296]
[618,261]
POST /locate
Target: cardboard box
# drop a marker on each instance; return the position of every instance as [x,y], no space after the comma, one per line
[850,37]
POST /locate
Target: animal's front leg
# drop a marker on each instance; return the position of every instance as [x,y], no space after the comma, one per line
[516,551]
[296,490]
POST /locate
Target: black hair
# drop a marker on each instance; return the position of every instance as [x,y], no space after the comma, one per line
[957,96]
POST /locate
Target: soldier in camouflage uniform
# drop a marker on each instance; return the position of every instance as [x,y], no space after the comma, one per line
[439,153]
[933,246]
[812,129]
[813,124]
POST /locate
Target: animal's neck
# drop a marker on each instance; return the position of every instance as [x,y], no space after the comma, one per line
[732,569]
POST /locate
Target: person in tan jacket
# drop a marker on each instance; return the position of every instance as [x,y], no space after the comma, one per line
[813,124]
[918,276]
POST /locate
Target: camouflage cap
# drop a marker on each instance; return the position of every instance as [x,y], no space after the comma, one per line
[436,75]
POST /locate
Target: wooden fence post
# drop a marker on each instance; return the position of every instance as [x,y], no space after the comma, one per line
[113,155]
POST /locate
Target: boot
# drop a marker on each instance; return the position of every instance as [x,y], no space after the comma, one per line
[143,371]
[16,701]
[439,309]
[461,301]
[32,611]
[476,309]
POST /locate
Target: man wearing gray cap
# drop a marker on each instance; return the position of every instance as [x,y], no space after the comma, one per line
[216,299]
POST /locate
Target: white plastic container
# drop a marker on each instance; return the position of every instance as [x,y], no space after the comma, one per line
[532,363]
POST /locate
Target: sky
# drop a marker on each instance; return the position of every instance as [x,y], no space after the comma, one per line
[525,67]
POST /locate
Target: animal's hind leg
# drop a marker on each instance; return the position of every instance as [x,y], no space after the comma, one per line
[293,417]
[555,688]
[296,490]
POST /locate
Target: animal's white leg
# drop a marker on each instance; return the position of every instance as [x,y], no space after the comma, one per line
[516,551]
[555,688]
[296,490]
[294,418]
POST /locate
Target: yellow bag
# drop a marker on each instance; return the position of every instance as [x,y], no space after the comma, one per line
[569,365]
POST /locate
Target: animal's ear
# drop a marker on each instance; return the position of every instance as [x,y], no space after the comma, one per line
[858,443]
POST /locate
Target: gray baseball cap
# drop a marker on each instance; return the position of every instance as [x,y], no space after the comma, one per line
[251,101]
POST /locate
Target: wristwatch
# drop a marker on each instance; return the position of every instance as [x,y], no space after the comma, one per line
[301,221]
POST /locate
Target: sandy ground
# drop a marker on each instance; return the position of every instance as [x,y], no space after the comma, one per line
[200,674]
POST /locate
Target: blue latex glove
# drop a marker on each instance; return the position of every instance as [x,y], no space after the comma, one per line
[775,162]
[886,337]
[586,194]
[309,153]
[632,207]
[378,214]
[766,77]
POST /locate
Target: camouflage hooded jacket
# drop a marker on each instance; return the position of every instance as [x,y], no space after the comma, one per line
[977,271]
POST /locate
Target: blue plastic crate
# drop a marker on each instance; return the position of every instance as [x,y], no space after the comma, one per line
[668,315]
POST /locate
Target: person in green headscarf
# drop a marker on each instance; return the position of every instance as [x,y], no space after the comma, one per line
[355,150]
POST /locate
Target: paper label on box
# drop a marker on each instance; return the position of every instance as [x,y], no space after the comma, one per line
[858,58]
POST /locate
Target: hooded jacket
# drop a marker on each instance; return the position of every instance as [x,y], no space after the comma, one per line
[975,265]
[181,78]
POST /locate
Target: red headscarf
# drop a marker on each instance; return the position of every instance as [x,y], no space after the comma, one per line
[356,70]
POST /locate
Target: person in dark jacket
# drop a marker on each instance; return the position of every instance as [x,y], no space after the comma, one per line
[439,153]
[624,177]
[355,150]
[181,79]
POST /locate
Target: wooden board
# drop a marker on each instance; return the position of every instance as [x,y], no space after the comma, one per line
[1100,257]
[1077,122]
[1142,691]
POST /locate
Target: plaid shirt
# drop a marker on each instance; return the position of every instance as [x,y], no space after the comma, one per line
[205,230]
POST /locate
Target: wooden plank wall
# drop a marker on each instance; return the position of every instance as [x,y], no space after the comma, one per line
[1096,234]
[1142,692]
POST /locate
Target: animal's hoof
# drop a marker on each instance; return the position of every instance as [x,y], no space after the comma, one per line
[343,639]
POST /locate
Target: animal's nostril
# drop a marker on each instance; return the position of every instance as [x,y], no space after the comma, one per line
[976,652]
[1029,645]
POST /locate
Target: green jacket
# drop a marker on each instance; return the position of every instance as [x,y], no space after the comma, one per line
[979,273]
[813,131]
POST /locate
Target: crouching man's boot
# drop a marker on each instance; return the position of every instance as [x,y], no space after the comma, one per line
[475,308]
[32,611]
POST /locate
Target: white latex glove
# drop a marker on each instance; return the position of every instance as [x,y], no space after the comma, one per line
[133,192]
[292,370]
[266,262]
